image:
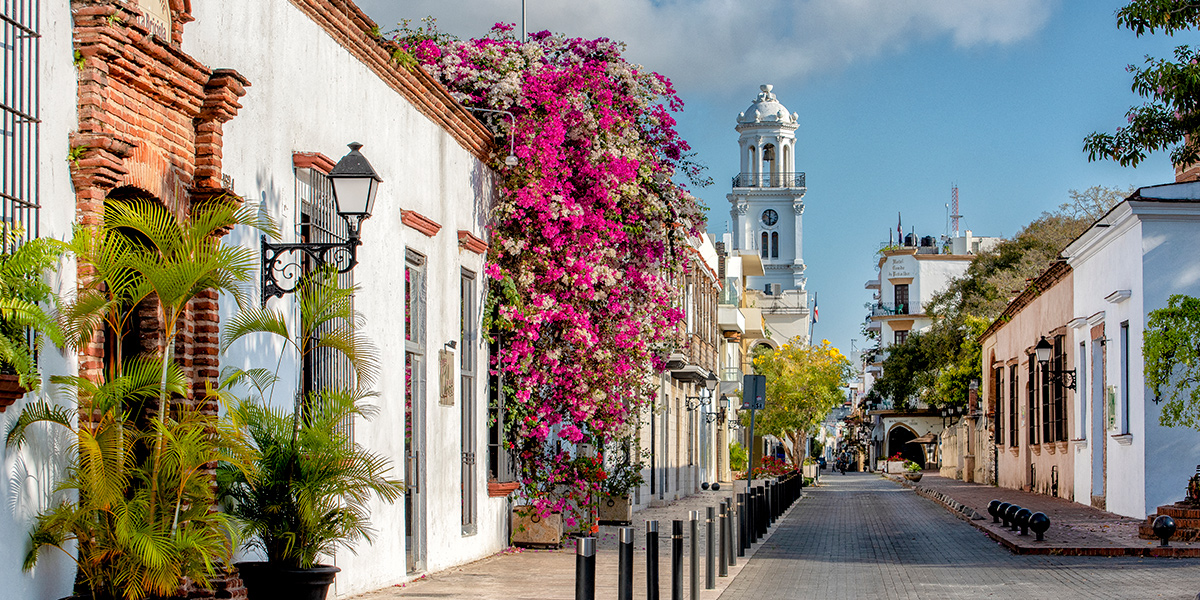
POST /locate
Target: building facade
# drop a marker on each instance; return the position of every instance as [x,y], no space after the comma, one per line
[1032,409]
[1126,265]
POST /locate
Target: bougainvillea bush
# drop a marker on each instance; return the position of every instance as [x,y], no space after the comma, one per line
[586,238]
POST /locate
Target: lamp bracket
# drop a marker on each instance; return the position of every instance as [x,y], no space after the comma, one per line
[282,264]
[1065,377]
[700,401]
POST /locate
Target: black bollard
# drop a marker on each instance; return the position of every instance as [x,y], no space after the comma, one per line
[1002,512]
[1039,523]
[585,568]
[710,546]
[741,524]
[723,553]
[651,560]
[992,510]
[1164,527]
[677,560]
[761,513]
[731,524]
[751,523]
[625,565]
[1022,518]
[694,556]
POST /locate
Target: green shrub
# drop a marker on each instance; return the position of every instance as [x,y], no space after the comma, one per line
[737,457]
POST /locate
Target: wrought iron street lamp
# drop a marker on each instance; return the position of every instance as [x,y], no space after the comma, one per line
[710,384]
[1044,349]
[718,415]
[354,184]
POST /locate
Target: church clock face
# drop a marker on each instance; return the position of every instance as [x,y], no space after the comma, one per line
[770,217]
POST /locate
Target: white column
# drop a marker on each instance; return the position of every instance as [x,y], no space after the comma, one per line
[798,209]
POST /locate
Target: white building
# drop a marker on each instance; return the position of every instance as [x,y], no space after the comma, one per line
[1126,265]
[767,216]
[213,105]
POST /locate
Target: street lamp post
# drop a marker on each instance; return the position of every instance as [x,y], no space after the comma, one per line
[1044,349]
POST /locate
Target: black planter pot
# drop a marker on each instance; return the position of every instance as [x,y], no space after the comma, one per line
[265,581]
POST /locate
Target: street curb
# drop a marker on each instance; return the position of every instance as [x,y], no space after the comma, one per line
[979,522]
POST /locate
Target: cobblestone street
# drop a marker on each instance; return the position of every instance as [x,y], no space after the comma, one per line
[861,536]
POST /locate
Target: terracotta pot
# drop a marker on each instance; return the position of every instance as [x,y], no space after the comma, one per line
[11,390]
[531,529]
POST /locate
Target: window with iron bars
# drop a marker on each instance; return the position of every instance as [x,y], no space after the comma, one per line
[20,105]
[323,368]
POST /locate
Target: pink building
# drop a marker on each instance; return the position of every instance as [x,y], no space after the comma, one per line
[1031,404]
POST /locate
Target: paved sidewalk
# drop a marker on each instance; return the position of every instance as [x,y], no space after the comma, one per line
[1075,529]
[525,574]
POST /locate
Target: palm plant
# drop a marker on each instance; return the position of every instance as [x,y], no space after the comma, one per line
[22,292]
[307,493]
[132,538]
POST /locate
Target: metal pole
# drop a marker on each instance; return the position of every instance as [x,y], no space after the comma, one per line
[694,559]
[625,565]
[731,524]
[585,569]
[723,559]
[524,36]
[677,560]
[710,547]
[751,517]
[651,560]
[741,527]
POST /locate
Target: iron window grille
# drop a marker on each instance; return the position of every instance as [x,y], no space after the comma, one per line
[20,106]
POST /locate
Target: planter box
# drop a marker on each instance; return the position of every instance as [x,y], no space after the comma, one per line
[615,510]
[894,466]
[11,390]
[530,529]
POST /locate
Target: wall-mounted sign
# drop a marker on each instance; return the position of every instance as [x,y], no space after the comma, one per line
[156,16]
[898,267]
[445,377]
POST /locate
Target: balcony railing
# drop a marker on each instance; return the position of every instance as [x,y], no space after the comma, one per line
[884,309]
[772,180]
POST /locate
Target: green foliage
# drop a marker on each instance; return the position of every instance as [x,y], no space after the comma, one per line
[1173,360]
[23,290]
[134,530]
[307,492]
[803,385]
[911,466]
[78,60]
[1169,118]
[76,153]
[737,457]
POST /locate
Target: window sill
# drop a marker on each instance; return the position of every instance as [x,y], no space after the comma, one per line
[501,490]
[1123,439]
[1036,449]
[1080,443]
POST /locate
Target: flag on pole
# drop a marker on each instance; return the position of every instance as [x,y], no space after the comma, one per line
[814,308]
[899,230]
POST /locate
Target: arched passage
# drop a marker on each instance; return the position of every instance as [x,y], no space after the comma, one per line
[898,442]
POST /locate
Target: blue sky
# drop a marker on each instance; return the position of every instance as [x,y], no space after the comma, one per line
[897,101]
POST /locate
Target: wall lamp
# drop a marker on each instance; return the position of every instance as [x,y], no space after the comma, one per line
[722,405]
[354,185]
[511,160]
[710,384]
[1043,349]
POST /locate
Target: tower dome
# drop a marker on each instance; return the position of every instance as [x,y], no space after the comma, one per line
[766,108]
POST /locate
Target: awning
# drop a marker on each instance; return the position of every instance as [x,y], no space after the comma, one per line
[925,439]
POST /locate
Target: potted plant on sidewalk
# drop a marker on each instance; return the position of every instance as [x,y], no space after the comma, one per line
[912,471]
[615,506]
[306,493]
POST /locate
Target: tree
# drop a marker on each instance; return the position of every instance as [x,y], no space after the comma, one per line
[803,384]
[1169,119]
[1173,360]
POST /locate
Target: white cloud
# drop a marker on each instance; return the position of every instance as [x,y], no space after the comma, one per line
[735,44]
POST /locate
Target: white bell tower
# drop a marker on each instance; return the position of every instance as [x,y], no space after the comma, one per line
[768,210]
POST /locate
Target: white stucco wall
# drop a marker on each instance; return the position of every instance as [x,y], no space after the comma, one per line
[1150,249]
[308,94]
[27,477]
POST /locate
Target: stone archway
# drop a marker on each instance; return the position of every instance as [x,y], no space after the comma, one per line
[898,441]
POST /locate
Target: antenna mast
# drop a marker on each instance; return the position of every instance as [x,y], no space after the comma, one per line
[954,216]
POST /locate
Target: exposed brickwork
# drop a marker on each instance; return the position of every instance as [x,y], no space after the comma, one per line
[150,126]
[352,28]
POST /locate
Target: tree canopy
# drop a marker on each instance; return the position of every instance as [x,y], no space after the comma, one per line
[803,384]
[1173,360]
[1168,120]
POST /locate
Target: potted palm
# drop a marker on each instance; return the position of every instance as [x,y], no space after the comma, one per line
[306,493]
[23,322]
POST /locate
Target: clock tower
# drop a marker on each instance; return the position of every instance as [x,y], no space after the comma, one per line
[768,208]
